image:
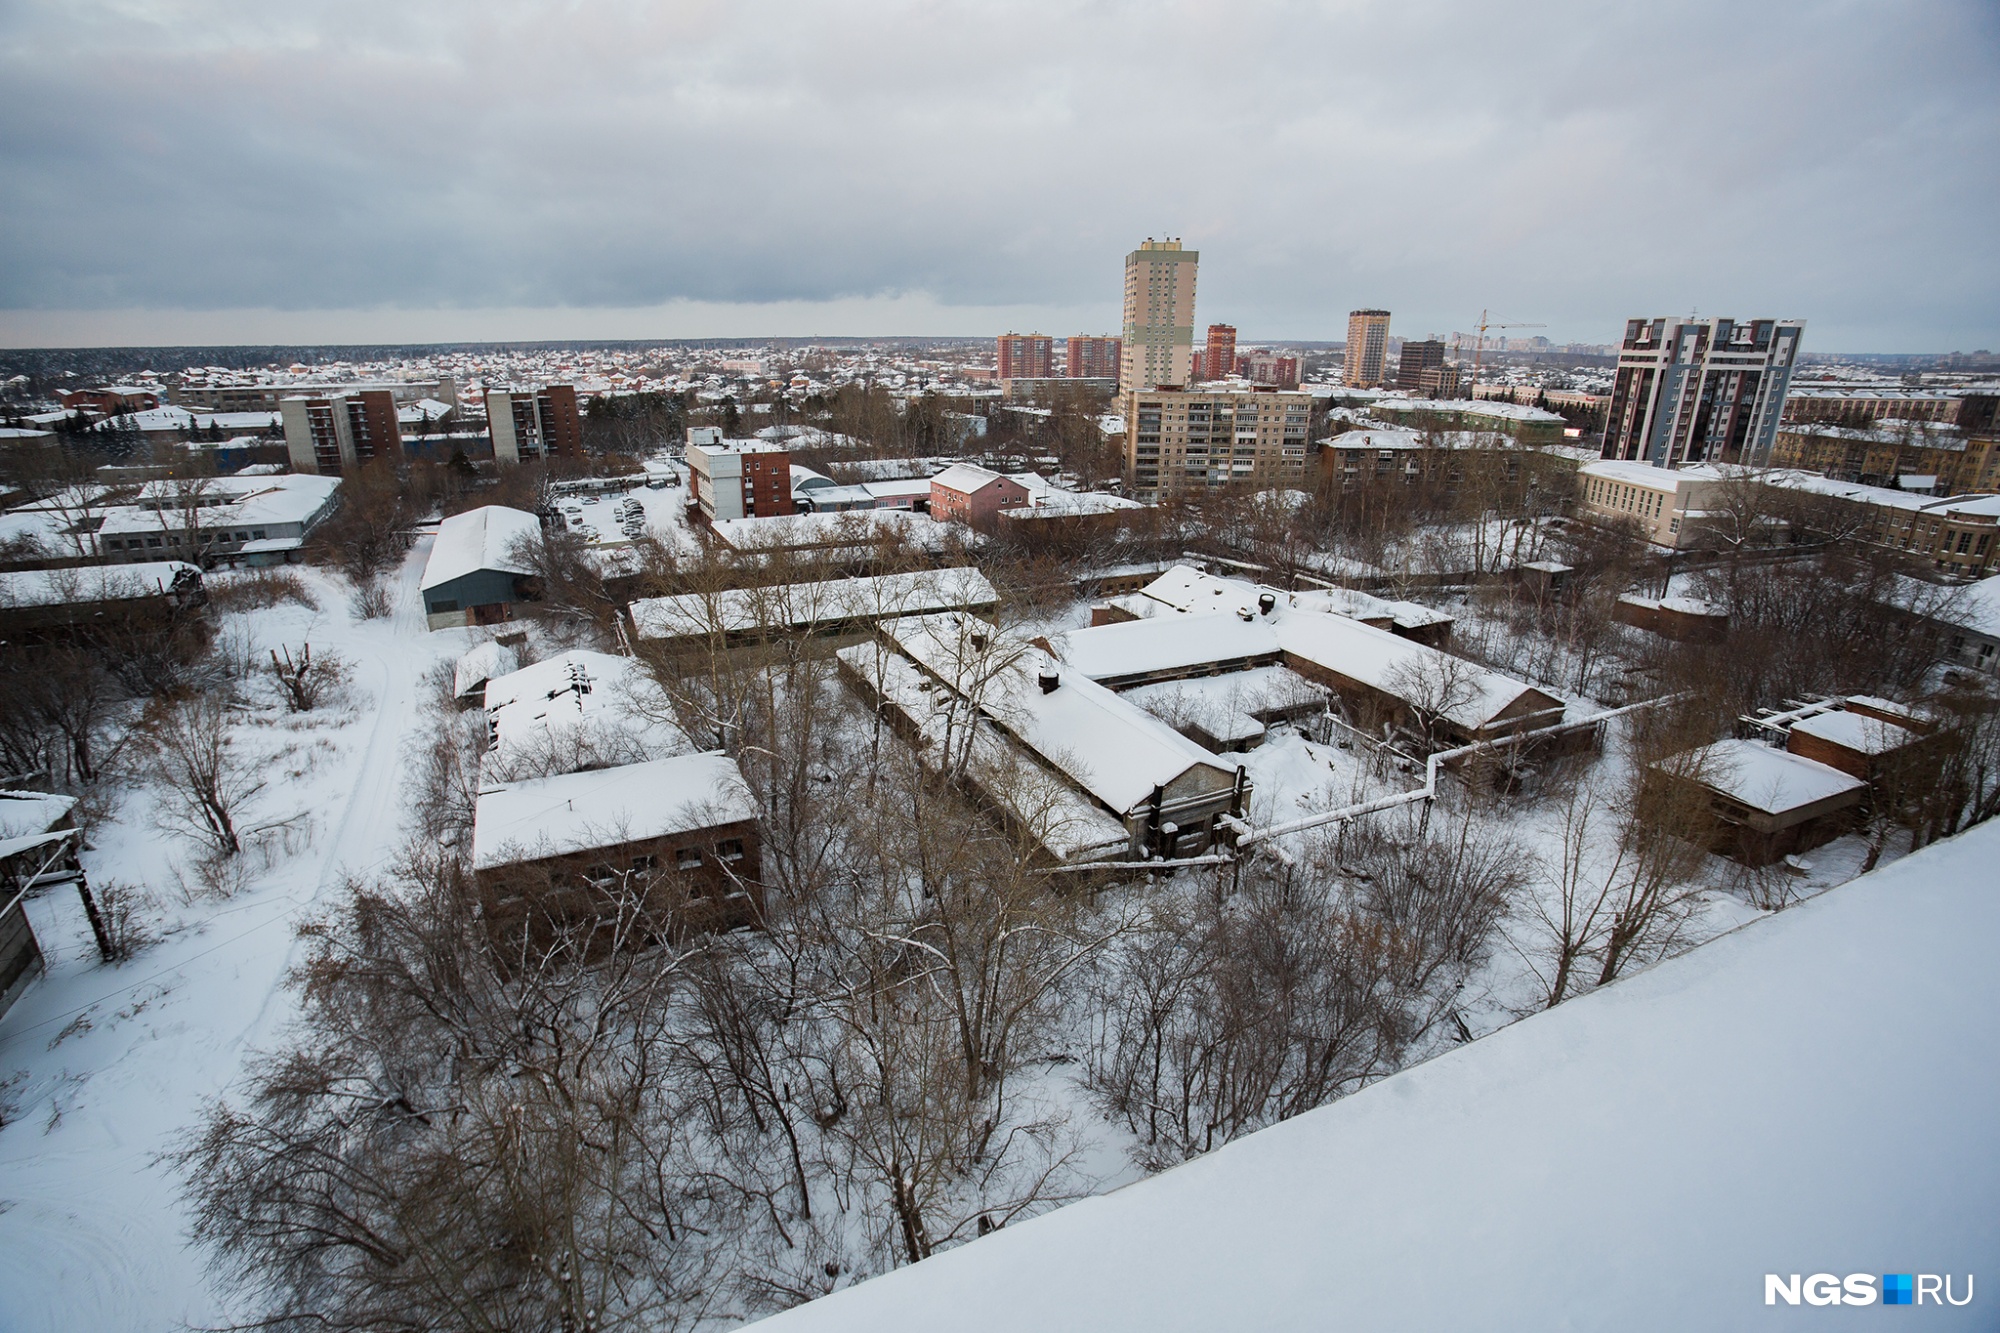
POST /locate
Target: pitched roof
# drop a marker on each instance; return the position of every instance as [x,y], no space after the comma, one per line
[1111,748]
[573,812]
[484,538]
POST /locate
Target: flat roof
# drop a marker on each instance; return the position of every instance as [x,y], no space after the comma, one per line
[539,818]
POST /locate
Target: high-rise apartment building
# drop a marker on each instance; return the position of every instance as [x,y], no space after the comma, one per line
[1029,356]
[1218,358]
[1178,440]
[528,425]
[1367,348]
[1700,390]
[1416,359]
[1159,316]
[1092,358]
[330,434]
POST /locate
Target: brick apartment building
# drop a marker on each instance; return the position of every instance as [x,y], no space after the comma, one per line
[729,479]
[110,401]
[1906,454]
[331,434]
[1028,356]
[1093,358]
[528,425]
[1178,440]
[1218,354]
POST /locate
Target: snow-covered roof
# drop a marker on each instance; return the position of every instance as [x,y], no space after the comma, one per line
[1185,589]
[484,538]
[482,664]
[1854,731]
[1062,819]
[1373,657]
[1226,706]
[854,527]
[574,812]
[968,477]
[1470,407]
[90,583]
[1645,474]
[799,605]
[28,814]
[1773,781]
[1978,607]
[1448,1196]
[578,708]
[1112,749]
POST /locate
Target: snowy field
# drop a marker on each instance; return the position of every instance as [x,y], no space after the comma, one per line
[103,1066]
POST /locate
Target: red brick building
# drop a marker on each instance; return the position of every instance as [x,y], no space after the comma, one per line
[1026,356]
[1093,358]
[974,496]
[1218,358]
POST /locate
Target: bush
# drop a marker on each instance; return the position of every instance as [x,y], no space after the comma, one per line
[260,588]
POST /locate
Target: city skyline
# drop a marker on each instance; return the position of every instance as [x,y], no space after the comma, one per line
[229,173]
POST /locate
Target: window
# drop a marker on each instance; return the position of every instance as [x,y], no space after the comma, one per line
[730,849]
[152,541]
[687,858]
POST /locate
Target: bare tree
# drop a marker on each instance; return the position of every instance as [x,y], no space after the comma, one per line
[206,784]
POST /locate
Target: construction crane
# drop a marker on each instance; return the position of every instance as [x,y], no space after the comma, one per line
[1479,348]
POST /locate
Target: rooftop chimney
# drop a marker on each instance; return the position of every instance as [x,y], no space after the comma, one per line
[1267,602]
[1048,679]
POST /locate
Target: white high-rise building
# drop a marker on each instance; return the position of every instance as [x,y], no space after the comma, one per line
[1159,316]
[1700,390]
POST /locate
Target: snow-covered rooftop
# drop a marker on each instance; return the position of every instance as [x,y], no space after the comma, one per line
[1645,474]
[488,537]
[800,605]
[1811,1093]
[1373,657]
[1773,781]
[480,665]
[90,583]
[577,709]
[1978,607]
[967,478]
[24,814]
[1111,748]
[573,812]
[1855,731]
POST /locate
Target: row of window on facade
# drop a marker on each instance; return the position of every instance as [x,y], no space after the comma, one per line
[178,539]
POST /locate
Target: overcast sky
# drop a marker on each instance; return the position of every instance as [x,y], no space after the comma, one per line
[256,170]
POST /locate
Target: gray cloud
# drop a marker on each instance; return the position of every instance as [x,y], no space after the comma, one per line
[1570,165]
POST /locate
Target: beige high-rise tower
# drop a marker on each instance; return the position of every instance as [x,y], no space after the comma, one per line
[1367,348]
[1159,316]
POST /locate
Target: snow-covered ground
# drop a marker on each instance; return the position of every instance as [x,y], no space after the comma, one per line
[104,1066]
[1810,1094]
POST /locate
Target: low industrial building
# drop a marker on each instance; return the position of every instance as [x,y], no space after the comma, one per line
[38,602]
[1091,776]
[1666,504]
[1766,804]
[481,567]
[681,832]
[975,496]
[1528,425]
[830,606]
[1383,679]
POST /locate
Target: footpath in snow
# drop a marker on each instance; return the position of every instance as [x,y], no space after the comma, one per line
[109,1064]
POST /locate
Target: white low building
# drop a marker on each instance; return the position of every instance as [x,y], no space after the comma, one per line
[1665,503]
